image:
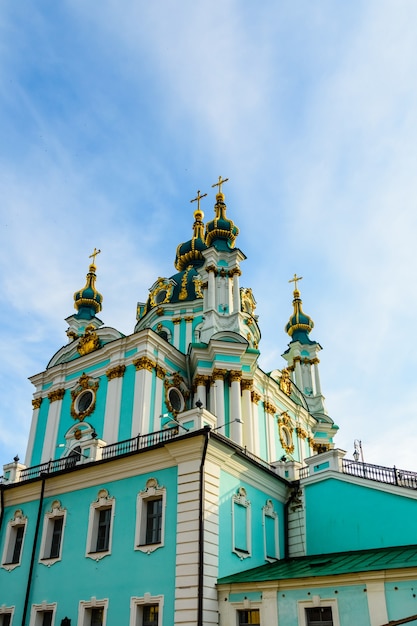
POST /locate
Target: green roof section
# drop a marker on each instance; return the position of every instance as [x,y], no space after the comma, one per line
[329,565]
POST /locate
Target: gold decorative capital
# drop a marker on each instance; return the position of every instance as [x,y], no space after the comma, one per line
[219,374]
[176,320]
[55,395]
[160,310]
[270,407]
[235,271]
[36,403]
[255,397]
[201,381]
[144,363]
[116,372]
[246,384]
[235,376]
[189,318]
[211,268]
[301,432]
[160,371]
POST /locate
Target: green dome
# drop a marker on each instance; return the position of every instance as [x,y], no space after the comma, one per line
[221,232]
[189,253]
[299,324]
[88,300]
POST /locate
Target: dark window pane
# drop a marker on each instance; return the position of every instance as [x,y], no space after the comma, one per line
[249,617]
[7,617]
[20,531]
[56,537]
[47,618]
[319,616]
[97,615]
[153,521]
[150,615]
[103,530]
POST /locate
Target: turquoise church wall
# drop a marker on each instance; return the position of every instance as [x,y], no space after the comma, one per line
[344,516]
[351,600]
[40,433]
[401,599]
[229,562]
[124,573]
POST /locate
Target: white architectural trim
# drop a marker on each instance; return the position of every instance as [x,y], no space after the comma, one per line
[152,491]
[137,604]
[377,604]
[51,430]
[85,606]
[18,521]
[36,614]
[104,501]
[141,402]
[112,412]
[268,512]
[56,512]
[240,499]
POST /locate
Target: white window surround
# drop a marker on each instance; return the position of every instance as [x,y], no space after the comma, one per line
[240,499]
[137,604]
[104,501]
[18,520]
[246,605]
[7,610]
[36,614]
[56,512]
[268,512]
[317,601]
[152,491]
[84,610]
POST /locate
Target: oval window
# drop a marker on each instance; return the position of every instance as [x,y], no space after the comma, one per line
[176,399]
[160,296]
[84,401]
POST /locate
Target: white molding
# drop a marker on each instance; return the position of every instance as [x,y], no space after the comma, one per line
[18,520]
[317,601]
[240,499]
[137,604]
[56,512]
[152,491]
[93,603]
[37,611]
[104,501]
[268,512]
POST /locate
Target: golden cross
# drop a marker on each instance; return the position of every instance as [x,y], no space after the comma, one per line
[220,183]
[294,280]
[198,198]
[93,256]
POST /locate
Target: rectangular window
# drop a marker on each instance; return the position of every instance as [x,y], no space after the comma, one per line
[47,618]
[96,617]
[17,538]
[150,615]
[55,549]
[319,616]
[5,619]
[153,520]
[247,617]
[241,535]
[103,530]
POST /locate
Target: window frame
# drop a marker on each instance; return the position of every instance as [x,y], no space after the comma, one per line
[8,611]
[138,603]
[19,520]
[104,501]
[317,602]
[269,512]
[56,512]
[37,611]
[84,610]
[153,491]
[242,609]
[240,499]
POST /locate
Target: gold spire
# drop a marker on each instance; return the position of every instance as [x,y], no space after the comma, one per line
[93,256]
[197,199]
[295,280]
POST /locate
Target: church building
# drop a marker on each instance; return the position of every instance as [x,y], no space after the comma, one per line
[170,481]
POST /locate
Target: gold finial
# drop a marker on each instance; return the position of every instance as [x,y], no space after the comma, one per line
[198,198]
[295,280]
[93,256]
[220,183]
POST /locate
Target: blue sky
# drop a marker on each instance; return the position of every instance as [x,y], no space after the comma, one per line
[113,114]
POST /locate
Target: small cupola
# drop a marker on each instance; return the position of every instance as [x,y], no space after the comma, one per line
[88,301]
[221,232]
[299,325]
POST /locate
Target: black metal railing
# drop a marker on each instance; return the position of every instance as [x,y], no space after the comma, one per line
[258,460]
[378,473]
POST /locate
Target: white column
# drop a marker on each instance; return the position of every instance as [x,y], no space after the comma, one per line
[176,338]
[236,430]
[246,386]
[142,396]
[255,397]
[317,377]
[375,592]
[188,331]
[36,403]
[201,393]
[298,375]
[211,291]
[236,290]
[113,402]
[50,440]
[159,388]
[218,396]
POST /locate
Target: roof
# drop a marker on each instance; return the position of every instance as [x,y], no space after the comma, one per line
[329,565]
